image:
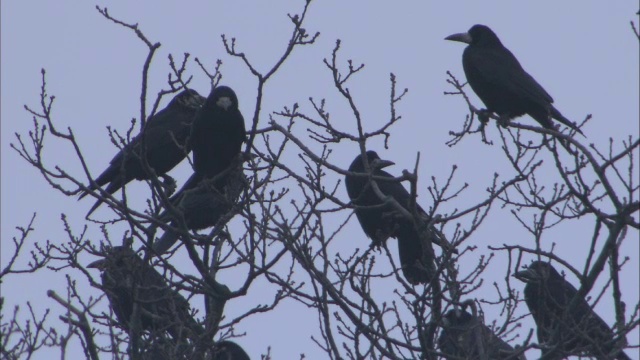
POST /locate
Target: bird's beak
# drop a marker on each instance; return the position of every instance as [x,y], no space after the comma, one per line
[461,37]
[224,102]
[381,164]
[99,264]
[526,276]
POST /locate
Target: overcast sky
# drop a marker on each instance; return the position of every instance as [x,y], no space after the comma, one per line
[584,54]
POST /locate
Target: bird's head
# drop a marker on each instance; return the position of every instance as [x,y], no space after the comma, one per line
[380,163]
[478,35]
[224,97]
[536,272]
[115,256]
[228,350]
[456,317]
[460,316]
[190,99]
[375,162]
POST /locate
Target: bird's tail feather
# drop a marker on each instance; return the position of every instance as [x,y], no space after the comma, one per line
[110,175]
[94,207]
[85,193]
[114,186]
[418,266]
[558,116]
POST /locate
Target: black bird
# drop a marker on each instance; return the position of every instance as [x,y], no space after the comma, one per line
[499,80]
[130,282]
[202,202]
[228,350]
[380,221]
[464,336]
[218,132]
[165,142]
[216,139]
[562,331]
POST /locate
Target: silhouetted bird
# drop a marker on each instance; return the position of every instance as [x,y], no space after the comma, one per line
[380,221]
[464,336]
[130,282]
[564,331]
[218,132]
[165,142]
[499,80]
[203,201]
[228,350]
[216,139]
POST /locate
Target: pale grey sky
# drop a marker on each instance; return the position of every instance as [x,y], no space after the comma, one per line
[583,53]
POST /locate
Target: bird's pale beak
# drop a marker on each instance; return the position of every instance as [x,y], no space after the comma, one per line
[527,275]
[98,264]
[461,37]
[381,164]
[224,102]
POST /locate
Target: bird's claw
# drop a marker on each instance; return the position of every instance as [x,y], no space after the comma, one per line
[483,116]
[504,120]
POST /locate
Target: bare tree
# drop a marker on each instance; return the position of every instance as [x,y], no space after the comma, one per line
[292,211]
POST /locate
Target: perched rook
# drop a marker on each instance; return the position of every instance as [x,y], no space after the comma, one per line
[165,146]
[216,139]
[131,283]
[499,80]
[464,336]
[562,330]
[218,132]
[381,220]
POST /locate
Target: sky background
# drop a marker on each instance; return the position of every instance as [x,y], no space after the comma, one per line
[584,54]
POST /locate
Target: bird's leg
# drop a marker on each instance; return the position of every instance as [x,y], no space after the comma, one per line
[483,116]
[504,120]
[378,240]
[169,184]
[376,244]
[483,131]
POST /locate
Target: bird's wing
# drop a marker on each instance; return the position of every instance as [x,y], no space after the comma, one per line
[168,129]
[584,319]
[501,68]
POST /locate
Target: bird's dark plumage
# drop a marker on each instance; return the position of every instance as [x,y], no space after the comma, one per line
[165,140]
[464,336]
[564,331]
[381,222]
[228,350]
[203,201]
[499,80]
[129,281]
[218,132]
[216,139]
